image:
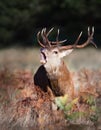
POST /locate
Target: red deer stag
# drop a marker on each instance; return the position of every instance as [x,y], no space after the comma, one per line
[53,69]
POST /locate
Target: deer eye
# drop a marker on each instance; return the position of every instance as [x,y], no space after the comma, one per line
[55,52]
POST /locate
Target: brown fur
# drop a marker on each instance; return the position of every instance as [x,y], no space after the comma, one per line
[61,82]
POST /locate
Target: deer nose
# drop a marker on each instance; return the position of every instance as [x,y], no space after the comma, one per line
[41,49]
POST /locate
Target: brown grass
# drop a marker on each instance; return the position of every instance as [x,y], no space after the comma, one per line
[24,106]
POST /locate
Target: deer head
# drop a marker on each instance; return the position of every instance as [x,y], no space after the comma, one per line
[52,52]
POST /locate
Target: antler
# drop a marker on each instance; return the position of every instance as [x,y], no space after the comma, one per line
[47,43]
[44,37]
[89,40]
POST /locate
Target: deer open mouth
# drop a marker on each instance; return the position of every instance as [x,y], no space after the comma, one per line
[42,58]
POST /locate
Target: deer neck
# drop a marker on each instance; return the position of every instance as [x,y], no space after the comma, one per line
[57,70]
[60,78]
[52,69]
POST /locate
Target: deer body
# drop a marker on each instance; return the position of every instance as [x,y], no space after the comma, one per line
[58,75]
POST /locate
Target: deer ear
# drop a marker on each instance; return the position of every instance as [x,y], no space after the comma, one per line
[69,51]
[66,52]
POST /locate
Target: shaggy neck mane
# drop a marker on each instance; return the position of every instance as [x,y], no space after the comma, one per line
[60,78]
[55,70]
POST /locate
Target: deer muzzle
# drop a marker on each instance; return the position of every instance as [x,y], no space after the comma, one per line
[42,57]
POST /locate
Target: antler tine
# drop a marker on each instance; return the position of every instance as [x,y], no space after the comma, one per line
[57,38]
[45,35]
[88,31]
[42,34]
[92,31]
[76,42]
[92,36]
[59,42]
[49,32]
[39,40]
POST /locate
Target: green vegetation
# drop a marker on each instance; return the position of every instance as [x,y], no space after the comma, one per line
[76,111]
[20,20]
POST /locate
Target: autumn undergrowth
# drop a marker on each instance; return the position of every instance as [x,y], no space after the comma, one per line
[22,105]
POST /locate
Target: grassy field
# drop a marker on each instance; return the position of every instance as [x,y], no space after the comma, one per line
[29,59]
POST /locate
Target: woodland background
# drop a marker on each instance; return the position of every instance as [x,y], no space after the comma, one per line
[21,20]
